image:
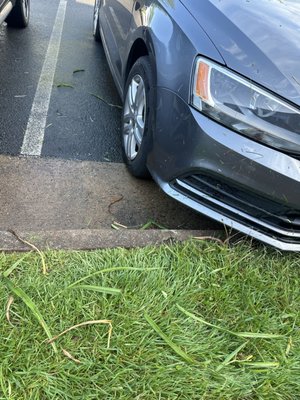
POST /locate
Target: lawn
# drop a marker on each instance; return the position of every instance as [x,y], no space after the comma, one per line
[188,321]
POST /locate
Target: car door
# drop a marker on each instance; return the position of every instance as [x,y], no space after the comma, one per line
[115,19]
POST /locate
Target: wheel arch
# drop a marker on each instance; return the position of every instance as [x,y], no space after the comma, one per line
[140,47]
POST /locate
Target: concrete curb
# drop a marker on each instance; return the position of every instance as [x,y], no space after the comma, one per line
[86,239]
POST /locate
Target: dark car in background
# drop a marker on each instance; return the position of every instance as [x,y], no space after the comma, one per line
[15,12]
[211,94]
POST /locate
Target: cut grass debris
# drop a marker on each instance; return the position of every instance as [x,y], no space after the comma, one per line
[14,266]
[260,365]
[103,321]
[9,303]
[107,270]
[105,101]
[64,85]
[248,335]
[168,341]
[78,70]
[198,320]
[148,225]
[69,355]
[231,357]
[99,289]
[30,304]
[32,246]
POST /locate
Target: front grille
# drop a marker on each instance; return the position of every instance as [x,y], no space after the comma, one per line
[252,210]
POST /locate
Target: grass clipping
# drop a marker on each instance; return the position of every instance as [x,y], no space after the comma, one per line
[248,335]
[178,350]
[30,304]
[94,322]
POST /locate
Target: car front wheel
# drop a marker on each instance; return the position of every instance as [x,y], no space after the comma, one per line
[19,16]
[138,117]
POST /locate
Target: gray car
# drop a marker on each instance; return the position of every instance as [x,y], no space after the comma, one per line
[211,94]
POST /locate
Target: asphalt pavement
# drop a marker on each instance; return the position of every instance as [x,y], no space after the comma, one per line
[60,148]
[79,125]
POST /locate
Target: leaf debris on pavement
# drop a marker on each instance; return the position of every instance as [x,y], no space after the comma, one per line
[65,85]
[105,101]
[78,70]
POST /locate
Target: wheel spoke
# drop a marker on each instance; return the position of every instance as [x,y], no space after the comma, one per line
[139,98]
[131,143]
[128,116]
[139,130]
[127,129]
[132,97]
[137,136]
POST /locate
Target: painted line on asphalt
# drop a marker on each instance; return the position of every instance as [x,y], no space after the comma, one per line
[35,131]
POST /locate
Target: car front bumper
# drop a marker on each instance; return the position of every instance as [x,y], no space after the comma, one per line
[230,178]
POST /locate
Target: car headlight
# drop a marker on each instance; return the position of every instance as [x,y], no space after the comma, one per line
[244,107]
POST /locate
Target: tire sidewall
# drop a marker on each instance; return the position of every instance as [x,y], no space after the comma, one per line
[26,18]
[96,31]
[138,166]
[17,18]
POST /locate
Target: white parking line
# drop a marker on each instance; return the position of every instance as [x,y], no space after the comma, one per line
[35,131]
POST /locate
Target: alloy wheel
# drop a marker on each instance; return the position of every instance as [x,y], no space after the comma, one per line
[134,117]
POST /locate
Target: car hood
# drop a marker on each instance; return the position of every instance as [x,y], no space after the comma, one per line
[260,39]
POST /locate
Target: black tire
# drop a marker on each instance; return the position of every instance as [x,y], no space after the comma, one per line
[137,165]
[19,15]
[96,24]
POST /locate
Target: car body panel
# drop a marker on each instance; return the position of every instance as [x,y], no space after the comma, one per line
[153,22]
[164,20]
[215,150]
[260,39]
[233,179]
[115,18]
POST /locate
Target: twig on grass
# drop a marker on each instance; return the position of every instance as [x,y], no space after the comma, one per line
[69,355]
[9,303]
[213,238]
[148,225]
[94,322]
[33,247]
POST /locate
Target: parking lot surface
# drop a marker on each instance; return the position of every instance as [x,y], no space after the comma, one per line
[60,146]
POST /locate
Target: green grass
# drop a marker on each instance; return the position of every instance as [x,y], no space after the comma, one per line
[191,321]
